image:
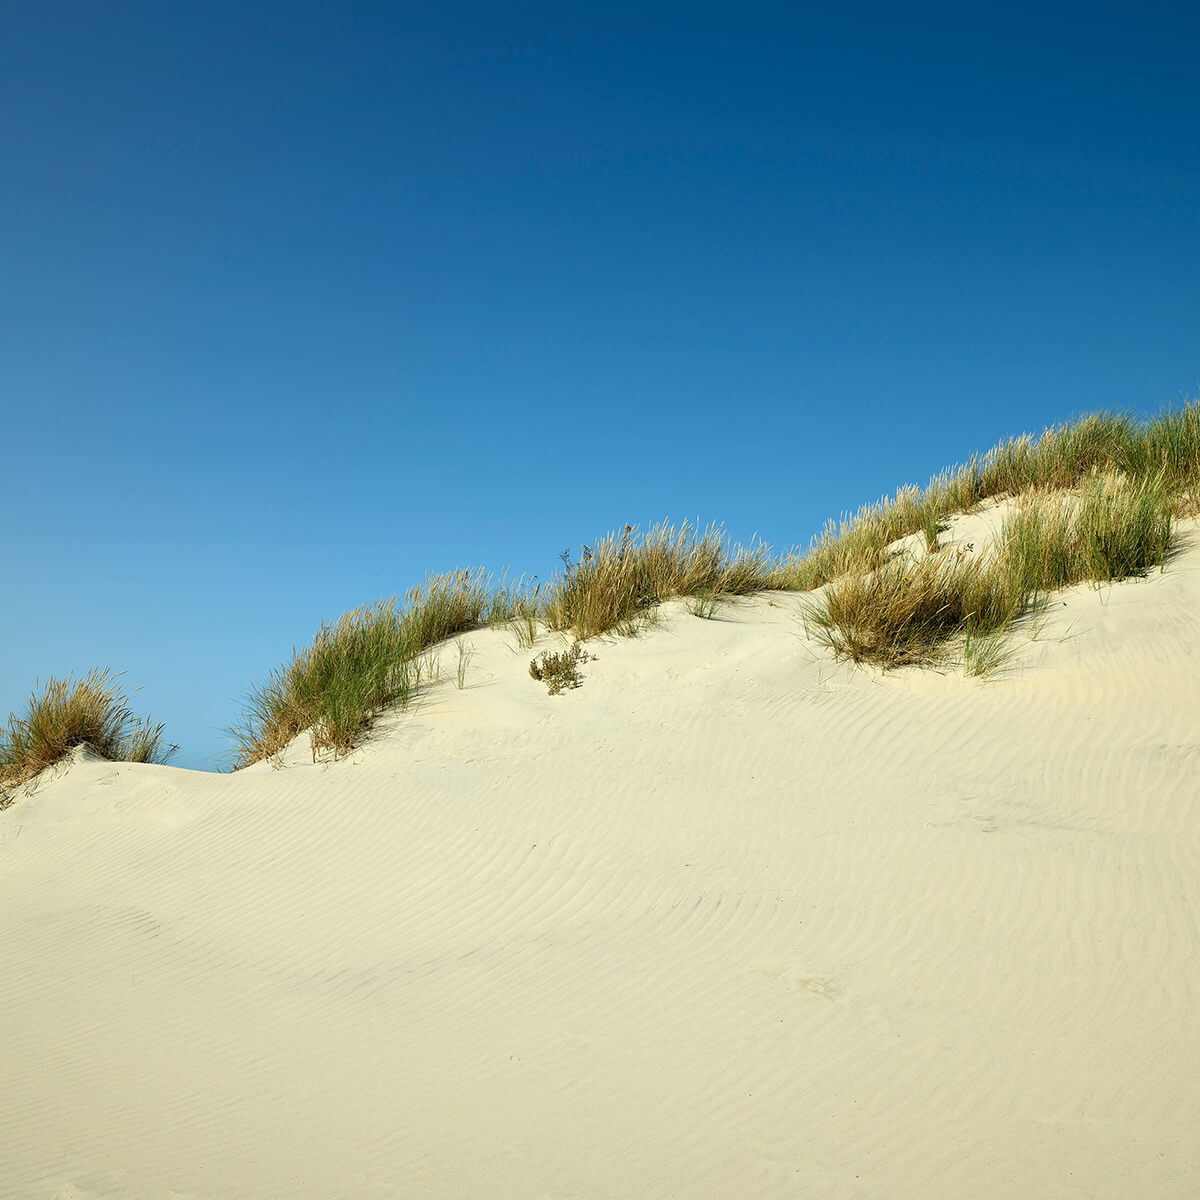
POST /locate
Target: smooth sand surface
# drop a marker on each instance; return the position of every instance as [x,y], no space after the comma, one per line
[728,921]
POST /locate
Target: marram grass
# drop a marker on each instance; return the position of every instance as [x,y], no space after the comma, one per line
[1095,501]
[368,660]
[1166,447]
[374,658]
[72,712]
[1133,476]
[906,612]
[625,575]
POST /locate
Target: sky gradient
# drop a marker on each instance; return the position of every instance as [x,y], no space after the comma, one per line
[305,301]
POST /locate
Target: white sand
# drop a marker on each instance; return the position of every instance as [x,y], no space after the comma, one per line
[729,921]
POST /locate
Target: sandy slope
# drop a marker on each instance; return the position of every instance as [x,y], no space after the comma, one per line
[728,921]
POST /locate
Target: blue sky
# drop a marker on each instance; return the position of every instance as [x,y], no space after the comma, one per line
[302,301]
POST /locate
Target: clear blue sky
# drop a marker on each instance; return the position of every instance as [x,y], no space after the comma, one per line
[301,301]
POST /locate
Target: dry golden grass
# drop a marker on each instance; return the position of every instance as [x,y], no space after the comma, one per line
[67,713]
[1166,447]
[1132,475]
[908,612]
[371,658]
[905,612]
[626,574]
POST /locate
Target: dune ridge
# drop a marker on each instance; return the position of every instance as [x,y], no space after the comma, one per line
[731,919]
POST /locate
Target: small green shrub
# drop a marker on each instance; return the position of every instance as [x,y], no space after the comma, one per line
[559,672]
[67,713]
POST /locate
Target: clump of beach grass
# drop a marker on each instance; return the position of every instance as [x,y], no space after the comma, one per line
[932,528]
[66,713]
[907,612]
[1063,457]
[1117,526]
[985,654]
[625,576]
[904,612]
[368,660]
[466,652]
[524,627]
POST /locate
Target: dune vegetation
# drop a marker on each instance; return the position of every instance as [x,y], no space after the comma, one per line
[70,712]
[622,577]
[907,611]
[1094,499]
[1166,447]
[368,660]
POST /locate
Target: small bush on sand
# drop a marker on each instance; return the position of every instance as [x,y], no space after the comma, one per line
[68,713]
[559,672]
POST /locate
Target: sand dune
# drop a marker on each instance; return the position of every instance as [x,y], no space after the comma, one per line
[730,920]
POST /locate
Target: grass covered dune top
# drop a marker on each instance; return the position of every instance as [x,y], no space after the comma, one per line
[1094,499]
[1136,475]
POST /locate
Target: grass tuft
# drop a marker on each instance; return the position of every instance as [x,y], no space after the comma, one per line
[1115,528]
[1064,457]
[524,627]
[905,612]
[624,577]
[368,660]
[985,654]
[932,529]
[703,605]
[465,653]
[67,713]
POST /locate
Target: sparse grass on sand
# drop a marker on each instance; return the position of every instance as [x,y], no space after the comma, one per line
[67,713]
[1134,476]
[1096,498]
